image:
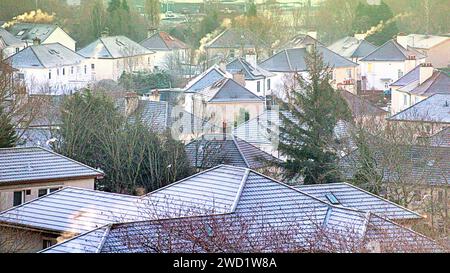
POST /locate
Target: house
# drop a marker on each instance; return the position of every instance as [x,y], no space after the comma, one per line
[285,64]
[9,44]
[111,56]
[433,113]
[234,42]
[211,150]
[387,64]
[362,109]
[51,69]
[167,49]
[300,41]
[45,33]
[436,48]
[31,172]
[227,103]
[254,213]
[256,79]
[418,84]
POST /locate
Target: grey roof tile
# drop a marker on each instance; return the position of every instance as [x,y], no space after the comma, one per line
[350,47]
[163,41]
[36,163]
[9,39]
[235,38]
[207,78]
[228,90]
[392,51]
[113,47]
[408,78]
[435,108]
[250,72]
[29,31]
[293,60]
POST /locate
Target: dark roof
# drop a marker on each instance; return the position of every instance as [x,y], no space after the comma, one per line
[300,40]
[30,31]
[360,106]
[411,163]
[228,90]
[112,48]
[35,163]
[351,196]
[435,108]
[392,51]
[408,78]
[293,60]
[207,78]
[9,39]
[441,138]
[163,41]
[351,47]
[212,150]
[439,82]
[248,206]
[32,137]
[45,56]
[235,38]
[250,72]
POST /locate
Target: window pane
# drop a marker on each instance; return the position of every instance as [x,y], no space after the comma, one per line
[42,192]
[17,200]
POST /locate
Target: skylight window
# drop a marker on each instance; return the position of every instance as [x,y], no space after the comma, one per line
[20,33]
[332,198]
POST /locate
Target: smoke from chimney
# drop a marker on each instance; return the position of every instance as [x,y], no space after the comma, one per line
[33,16]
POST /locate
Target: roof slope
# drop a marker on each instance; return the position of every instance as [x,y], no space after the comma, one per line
[113,47]
[248,207]
[228,90]
[424,41]
[75,210]
[212,150]
[251,73]
[408,78]
[36,163]
[350,47]
[45,56]
[300,40]
[360,106]
[9,39]
[435,108]
[439,82]
[235,38]
[207,78]
[163,41]
[350,196]
[30,31]
[442,138]
[293,60]
[392,51]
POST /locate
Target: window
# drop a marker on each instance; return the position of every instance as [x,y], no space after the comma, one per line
[258,86]
[57,72]
[232,53]
[85,69]
[71,70]
[28,192]
[92,66]
[49,74]
[332,198]
[268,84]
[405,99]
[18,198]
[349,73]
[17,49]
[369,67]
[48,242]
[42,192]
[21,76]
[400,73]
[246,116]
[64,71]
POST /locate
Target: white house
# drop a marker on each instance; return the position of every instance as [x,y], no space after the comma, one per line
[9,44]
[166,47]
[418,84]
[109,57]
[46,33]
[387,64]
[51,69]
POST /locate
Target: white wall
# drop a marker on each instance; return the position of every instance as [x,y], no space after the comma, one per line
[11,50]
[112,69]
[74,77]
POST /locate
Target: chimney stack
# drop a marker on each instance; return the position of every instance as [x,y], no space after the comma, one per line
[105,33]
[312,34]
[151,31]
[425,72]
[239,77]
[250,57]
[131,102]
[402,39]
[36,41]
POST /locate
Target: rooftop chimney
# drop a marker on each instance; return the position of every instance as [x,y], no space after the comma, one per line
[402,39]
[250,57]
[36,41]
[131,102]
[425,72]
[239,77]
[151,31]
[312,34]
[105,33]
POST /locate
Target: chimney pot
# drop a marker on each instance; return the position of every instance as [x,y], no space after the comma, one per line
[36,41]
[239,77]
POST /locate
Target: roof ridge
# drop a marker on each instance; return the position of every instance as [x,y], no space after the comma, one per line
[240,189]
[240,152]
